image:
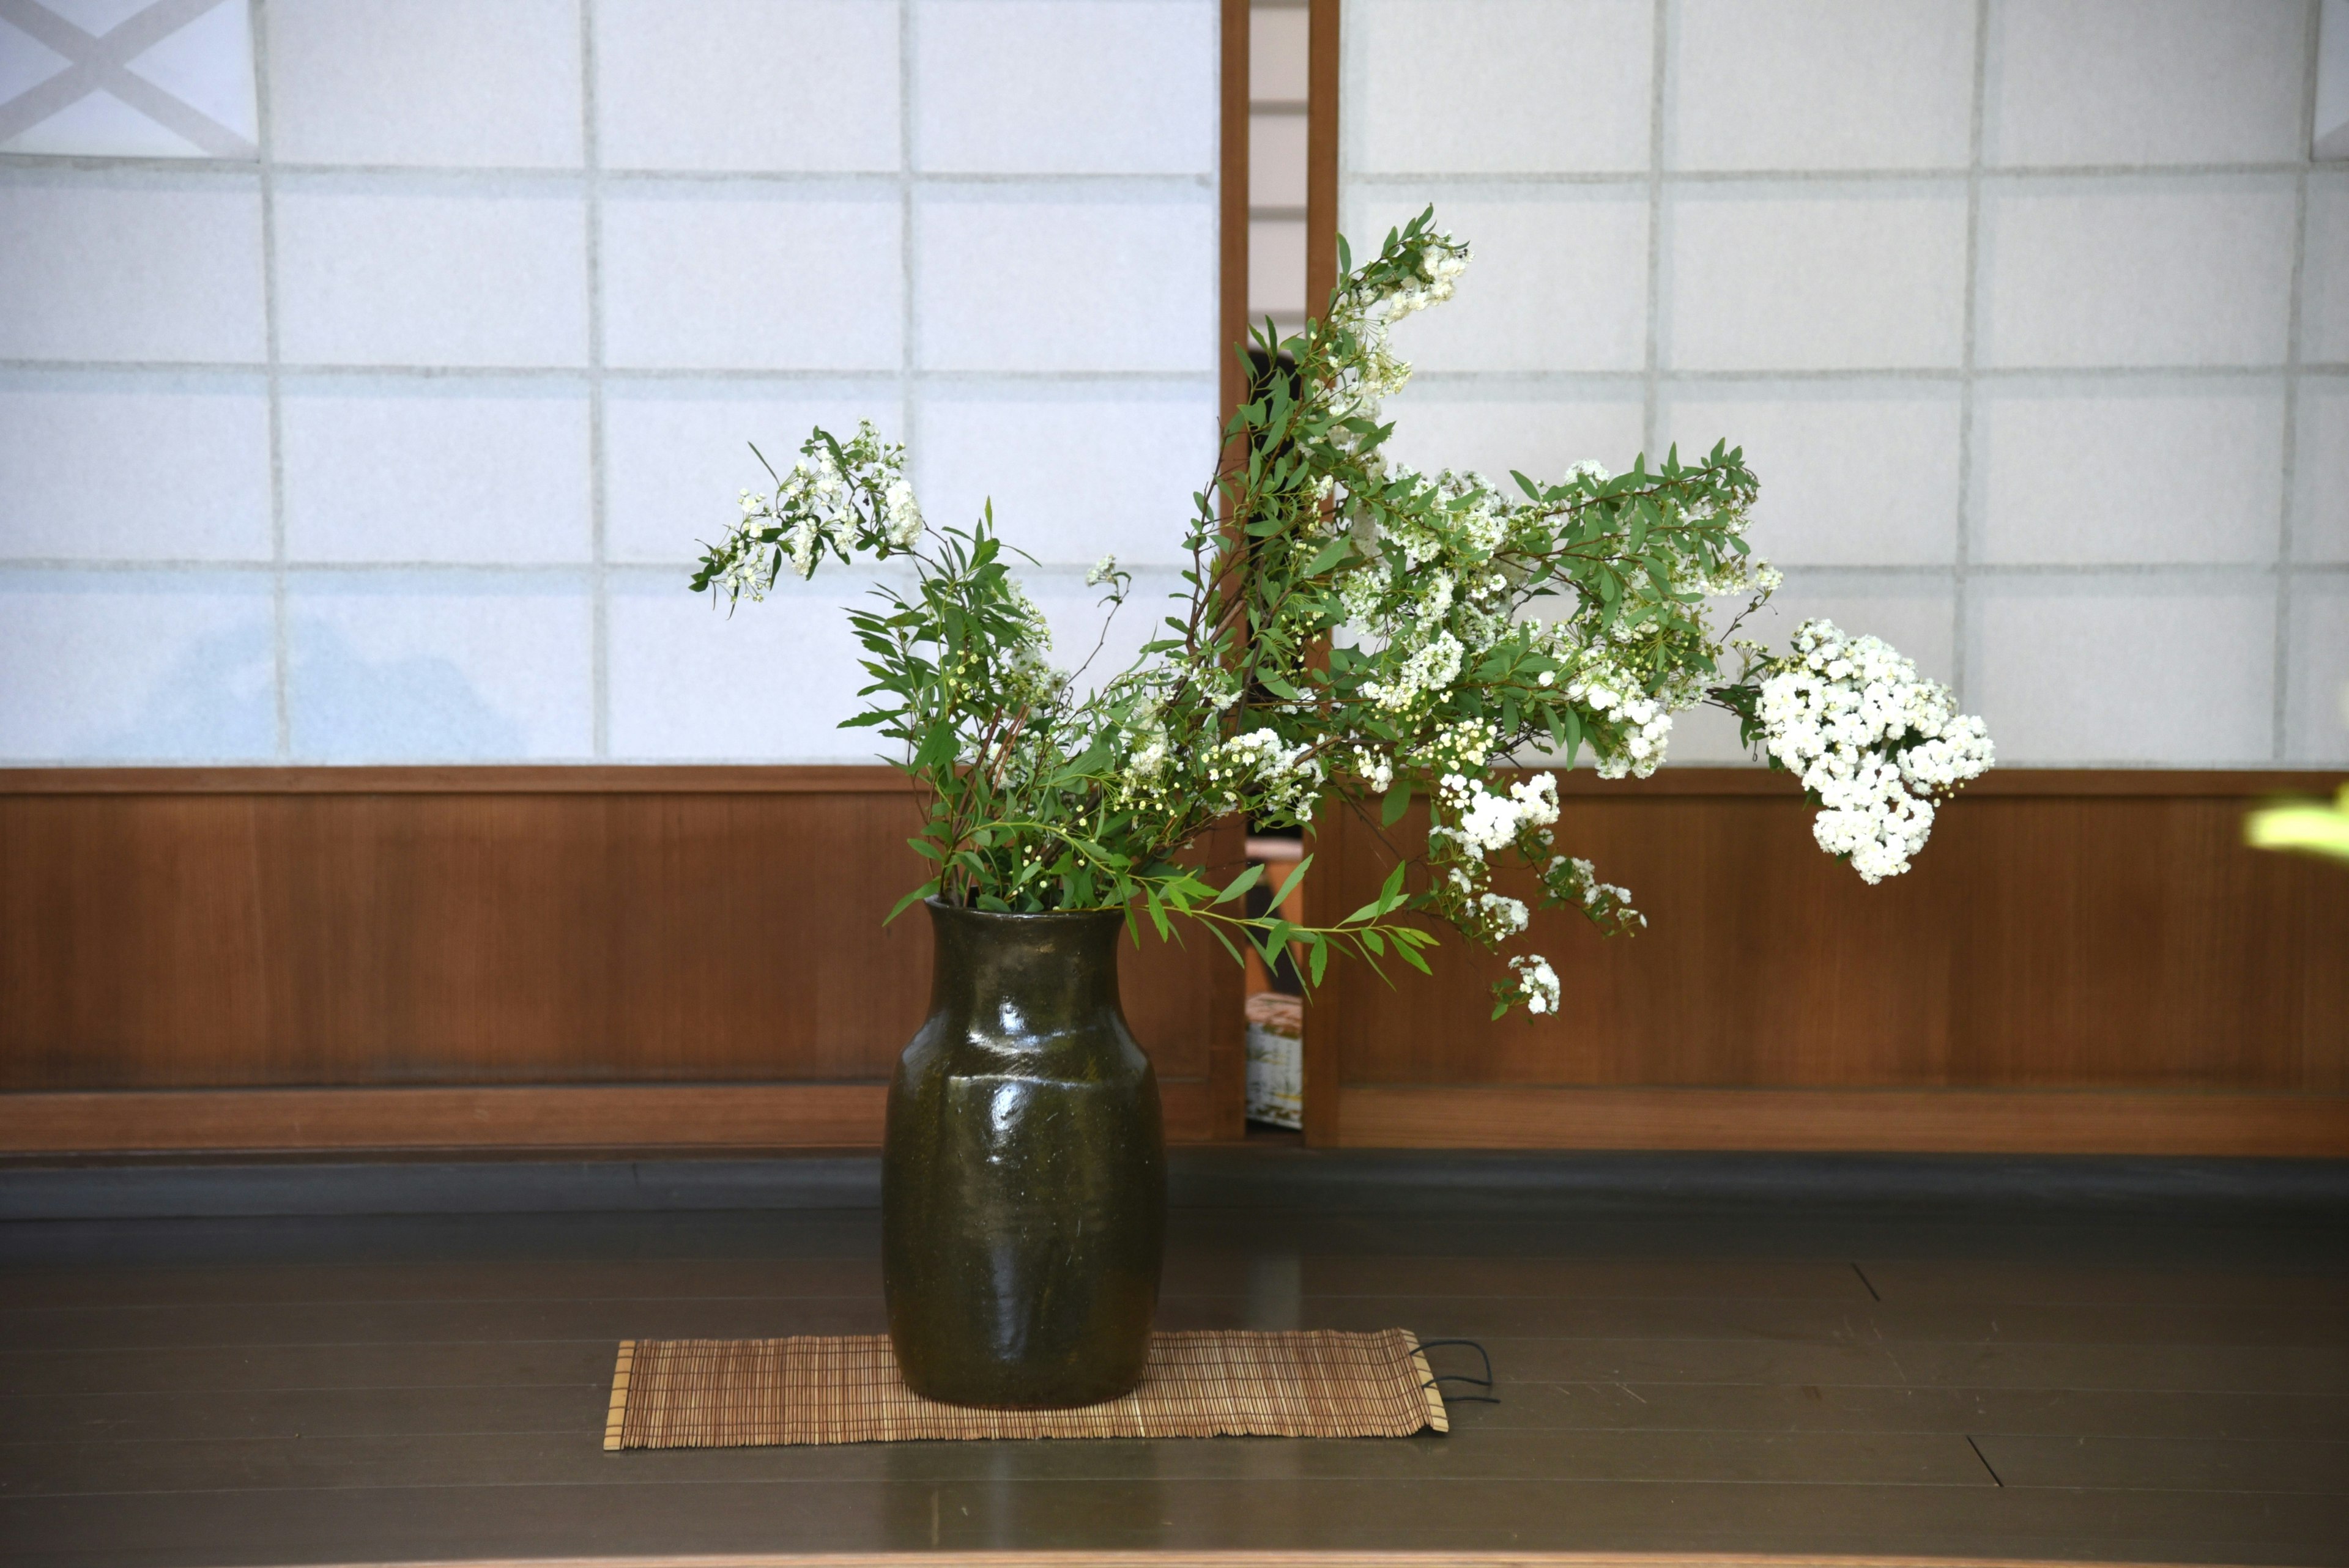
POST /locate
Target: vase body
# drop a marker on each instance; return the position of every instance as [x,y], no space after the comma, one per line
[1023,1182]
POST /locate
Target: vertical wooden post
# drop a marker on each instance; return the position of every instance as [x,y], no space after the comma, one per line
[1227,1047]
[1325,1013]
[1325,1010]
[1321,157]
[1226,857]
[1232,305]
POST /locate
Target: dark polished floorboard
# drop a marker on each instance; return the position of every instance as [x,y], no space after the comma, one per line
[2130,1386]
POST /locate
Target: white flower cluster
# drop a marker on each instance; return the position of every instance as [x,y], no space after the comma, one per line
[1501,915]
[1465,745]
[815,507]
[1575,880]
[1537,982]
[1872,740]
[1144,777]
[1373,767]
[1289,778]
[1472,823]
[747,570]
[1442,263]
[1485,823]
[1148,758]
[1607,688]
[1376,374]
[901,517]
[1425,674]
[811,498]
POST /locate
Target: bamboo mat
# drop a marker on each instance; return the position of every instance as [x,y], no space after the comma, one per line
[743,1393]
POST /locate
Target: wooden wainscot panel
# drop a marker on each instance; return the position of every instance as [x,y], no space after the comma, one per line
[1915,1121]
[457,930]
[638,1116]
[635,1116]
[2096,959]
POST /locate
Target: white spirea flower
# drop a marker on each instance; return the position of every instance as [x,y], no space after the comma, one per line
[903,518]
[1537,982]
[837,500]
[806,536]
[1575,880]
[1872,740]
[1283,778]
[1103,571]
[1506,916]
[1612,690]
[1485,823]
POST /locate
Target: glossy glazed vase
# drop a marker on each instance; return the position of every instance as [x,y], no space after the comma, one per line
[1023,1182]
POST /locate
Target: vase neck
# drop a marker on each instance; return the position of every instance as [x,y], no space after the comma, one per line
[1023,977]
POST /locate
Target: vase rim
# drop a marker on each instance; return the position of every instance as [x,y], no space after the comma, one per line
[1072,916]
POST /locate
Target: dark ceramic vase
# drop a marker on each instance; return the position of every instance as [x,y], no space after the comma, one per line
[1023,1184]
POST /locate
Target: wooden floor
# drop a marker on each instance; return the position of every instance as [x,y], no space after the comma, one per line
[1878,1381]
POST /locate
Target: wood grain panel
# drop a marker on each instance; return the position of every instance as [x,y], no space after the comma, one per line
[1913,1121]
[1323,67]
[1244,1558]
[565,779]
[628,779]
[568,957]
[1232,209]
[243,930]
[2127,942]
[750,1116]
[2062,933]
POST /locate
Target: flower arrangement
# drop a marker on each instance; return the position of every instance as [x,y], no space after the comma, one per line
[1354,626]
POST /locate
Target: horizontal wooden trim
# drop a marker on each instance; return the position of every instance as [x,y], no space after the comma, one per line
[643,1116]
[1914,1121]
[665,1115]
[596,779]
[602,779]
[2037,783]
[1319,1558]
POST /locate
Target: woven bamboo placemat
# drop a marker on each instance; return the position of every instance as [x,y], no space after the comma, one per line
[745,1393]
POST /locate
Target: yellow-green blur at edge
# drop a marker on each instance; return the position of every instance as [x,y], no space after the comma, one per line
[2310,825]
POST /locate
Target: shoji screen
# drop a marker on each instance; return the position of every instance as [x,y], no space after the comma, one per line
[2033,315]
[385,433]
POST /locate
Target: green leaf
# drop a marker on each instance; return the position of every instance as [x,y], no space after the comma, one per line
[937,747]
[1282,898]
[1320,958]
[927,890]
[1397,801]
[1331,553]
[1242,883]
[1389,896]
